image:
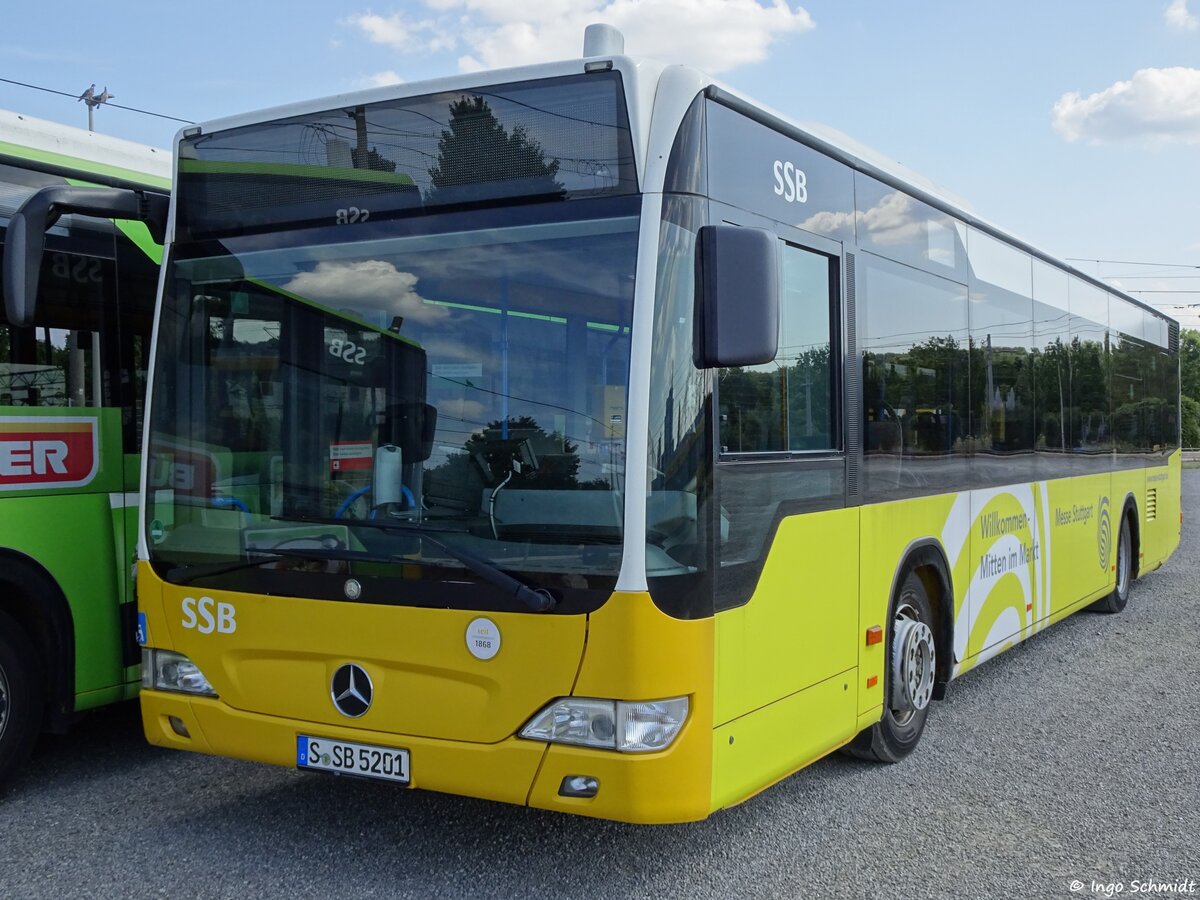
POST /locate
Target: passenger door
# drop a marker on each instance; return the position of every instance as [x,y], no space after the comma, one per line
[787,553]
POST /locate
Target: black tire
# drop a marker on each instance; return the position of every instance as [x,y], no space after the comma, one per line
[899,730]
[1119,598]
[21,709]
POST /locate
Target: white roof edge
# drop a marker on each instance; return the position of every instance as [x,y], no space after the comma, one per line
[43,136]
[402,90]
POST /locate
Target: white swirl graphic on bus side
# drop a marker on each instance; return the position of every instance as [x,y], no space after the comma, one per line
[1000,556]
[1103,533]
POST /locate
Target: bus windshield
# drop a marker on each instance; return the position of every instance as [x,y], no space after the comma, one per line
[463,372]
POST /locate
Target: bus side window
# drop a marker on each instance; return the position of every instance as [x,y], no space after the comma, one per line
[915,343]
[787,405]
[50,367]
[60,361]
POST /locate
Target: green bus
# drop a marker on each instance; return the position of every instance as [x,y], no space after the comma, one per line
[72,385]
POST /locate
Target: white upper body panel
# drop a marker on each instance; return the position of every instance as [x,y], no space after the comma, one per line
[78,144]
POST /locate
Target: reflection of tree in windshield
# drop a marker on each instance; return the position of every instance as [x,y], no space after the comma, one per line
[363,156]
[535,458]
[475,150]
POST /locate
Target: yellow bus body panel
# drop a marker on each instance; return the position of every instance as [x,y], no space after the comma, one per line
[785,682]
[281,656]
[1161,523]
[636,652]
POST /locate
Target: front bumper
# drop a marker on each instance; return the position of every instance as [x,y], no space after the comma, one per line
[669,786]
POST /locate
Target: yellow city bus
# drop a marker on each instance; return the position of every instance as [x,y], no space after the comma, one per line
[587,437]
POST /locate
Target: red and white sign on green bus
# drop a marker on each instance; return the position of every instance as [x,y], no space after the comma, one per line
[47,452]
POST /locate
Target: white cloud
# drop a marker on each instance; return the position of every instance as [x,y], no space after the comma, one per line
[1177,16]
[717,35]
[380,79]
[1156,105]
[404,34]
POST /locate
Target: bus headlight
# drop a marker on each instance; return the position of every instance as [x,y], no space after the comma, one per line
[631,727]
[165,670]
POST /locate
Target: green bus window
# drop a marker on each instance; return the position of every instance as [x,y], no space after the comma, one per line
[59,361]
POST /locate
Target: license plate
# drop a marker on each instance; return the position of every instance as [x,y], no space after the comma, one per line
[347,758]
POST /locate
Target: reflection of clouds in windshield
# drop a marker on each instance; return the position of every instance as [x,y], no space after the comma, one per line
[369,286]
[442,349]
[548,266]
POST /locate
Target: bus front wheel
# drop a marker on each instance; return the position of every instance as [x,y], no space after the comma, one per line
[20,708]
[909,678]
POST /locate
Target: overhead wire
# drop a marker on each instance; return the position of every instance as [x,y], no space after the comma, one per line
[144,112]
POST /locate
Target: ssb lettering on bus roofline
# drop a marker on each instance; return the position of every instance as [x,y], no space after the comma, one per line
[790,182]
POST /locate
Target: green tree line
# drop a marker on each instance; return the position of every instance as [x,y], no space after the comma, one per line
[1189,382]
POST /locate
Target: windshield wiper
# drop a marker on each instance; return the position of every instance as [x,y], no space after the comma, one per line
[537,599]
[186,574]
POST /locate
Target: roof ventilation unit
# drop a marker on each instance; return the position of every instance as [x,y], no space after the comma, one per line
[602,40]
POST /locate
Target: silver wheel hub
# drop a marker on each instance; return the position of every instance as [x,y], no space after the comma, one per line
[1124,549]
[914,664]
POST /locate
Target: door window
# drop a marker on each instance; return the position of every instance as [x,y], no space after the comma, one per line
[786,405]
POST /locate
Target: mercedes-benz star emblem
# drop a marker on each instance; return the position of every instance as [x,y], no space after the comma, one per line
[351,690]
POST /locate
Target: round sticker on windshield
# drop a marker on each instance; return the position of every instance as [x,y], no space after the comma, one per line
[483,638]
[157,531]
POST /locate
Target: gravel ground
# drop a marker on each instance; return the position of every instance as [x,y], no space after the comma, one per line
[1074,757]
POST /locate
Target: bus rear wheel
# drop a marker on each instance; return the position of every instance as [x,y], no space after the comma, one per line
[911,672]
[20,710]
[1119,598]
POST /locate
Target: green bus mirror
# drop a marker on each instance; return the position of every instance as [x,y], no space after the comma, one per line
[25,239]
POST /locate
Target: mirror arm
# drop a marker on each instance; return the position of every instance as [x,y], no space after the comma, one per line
[25,239]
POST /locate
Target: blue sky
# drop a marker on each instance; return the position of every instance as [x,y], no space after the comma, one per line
[1074,124]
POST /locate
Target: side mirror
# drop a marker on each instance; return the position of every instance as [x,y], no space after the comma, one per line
[411,427]
[25,239]
[737,297]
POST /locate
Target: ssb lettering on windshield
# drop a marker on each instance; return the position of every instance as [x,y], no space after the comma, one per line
[345,349]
